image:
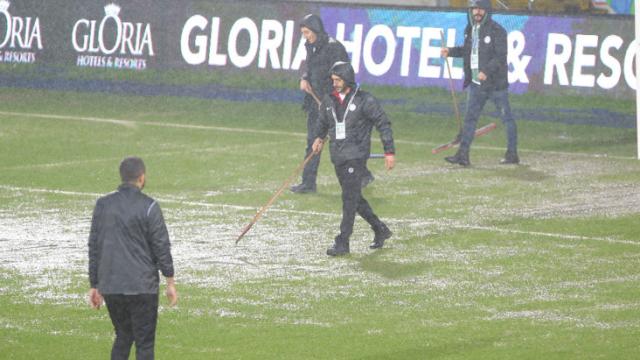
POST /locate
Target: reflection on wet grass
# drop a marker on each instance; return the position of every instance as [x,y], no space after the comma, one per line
[379,264]
[522,173]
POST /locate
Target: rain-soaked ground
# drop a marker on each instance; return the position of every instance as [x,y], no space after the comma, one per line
[42,242]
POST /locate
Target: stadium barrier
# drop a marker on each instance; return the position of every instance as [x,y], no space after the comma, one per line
[581,55]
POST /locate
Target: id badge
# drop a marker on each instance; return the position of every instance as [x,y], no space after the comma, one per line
[474,61]
[341,130]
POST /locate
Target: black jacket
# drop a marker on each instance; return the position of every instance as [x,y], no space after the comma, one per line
[363,112]
[321,55]
[492,52]
[128,243]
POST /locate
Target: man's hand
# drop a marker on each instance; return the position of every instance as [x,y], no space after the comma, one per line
[389,161]
[444,52]
[317,145]
[171,292]
[95,298]
[305,86]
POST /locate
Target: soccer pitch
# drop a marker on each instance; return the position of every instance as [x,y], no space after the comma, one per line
[534,261]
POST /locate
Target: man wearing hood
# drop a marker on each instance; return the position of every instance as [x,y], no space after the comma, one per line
[322,52]
[347,116]
[486,77]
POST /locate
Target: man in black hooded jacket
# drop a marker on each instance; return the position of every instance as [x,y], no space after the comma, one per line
[486,77]
[347,116]
[322,52]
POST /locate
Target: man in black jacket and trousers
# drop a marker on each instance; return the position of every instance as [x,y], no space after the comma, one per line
[347,116]
[322,52]
[128,244]
[486,77]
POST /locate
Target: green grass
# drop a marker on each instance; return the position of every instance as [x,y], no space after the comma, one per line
[492,262]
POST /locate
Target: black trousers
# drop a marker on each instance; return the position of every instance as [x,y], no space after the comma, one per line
[350,174]
[134,319]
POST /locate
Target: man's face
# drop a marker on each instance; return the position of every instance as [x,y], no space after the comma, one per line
[309,35]
[338,83]
[478,14]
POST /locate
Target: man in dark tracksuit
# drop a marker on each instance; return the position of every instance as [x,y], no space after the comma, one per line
[128,244]
[322,52]
[348,115]
[486,76]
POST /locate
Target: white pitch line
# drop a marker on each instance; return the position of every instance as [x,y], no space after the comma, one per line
[67,117]
[414,222]
[546,234]
[48,191]
[132,123]
[455,225]
[155,154]
[166,200]
[60,163]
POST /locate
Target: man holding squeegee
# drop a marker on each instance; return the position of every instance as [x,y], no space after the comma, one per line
[322,52]
[486,78]
[347,117]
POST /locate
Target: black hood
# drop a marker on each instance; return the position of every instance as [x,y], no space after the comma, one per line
[344,71]
[313,23]
[482,4]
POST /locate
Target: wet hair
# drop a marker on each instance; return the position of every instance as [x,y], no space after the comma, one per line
[131,168]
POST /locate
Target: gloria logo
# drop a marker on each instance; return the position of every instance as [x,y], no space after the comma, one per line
[111,42]
[18,37]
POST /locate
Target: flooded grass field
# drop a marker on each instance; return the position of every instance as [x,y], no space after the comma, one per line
[488,262]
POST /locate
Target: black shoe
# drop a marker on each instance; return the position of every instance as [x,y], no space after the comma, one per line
[510,158]
[303,188]
[340,247]
[458,159]
[382,234]
[368,179]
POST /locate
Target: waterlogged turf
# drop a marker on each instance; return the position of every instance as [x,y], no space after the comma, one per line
[532,261]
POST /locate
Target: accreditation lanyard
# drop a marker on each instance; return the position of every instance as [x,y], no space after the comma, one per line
[475,44]
[341,126]
[475,57]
